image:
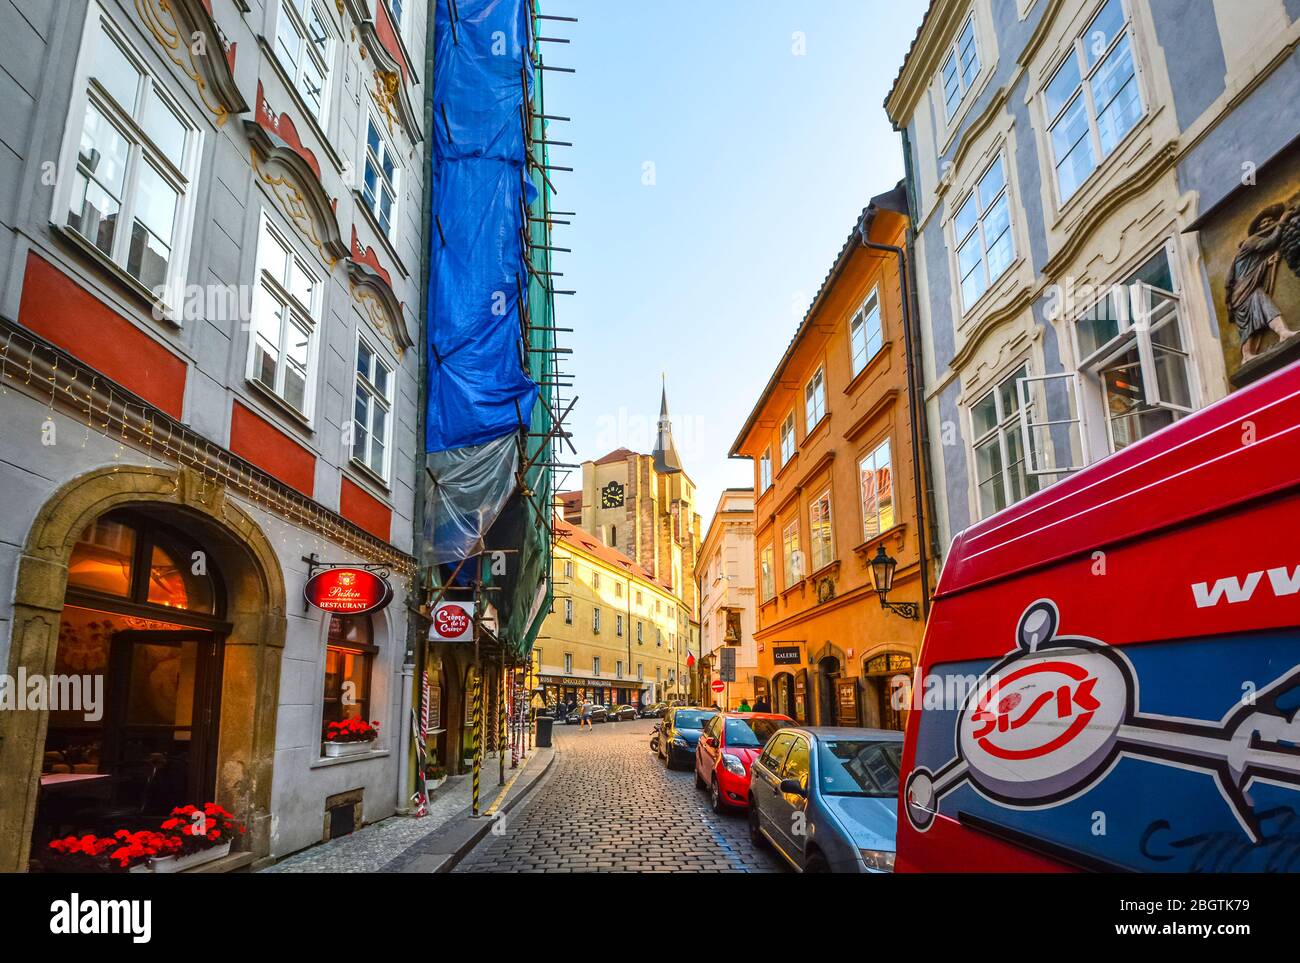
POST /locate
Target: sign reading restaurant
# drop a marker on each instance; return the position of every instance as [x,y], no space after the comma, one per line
[347,591]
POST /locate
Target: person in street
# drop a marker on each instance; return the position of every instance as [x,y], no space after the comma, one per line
[760,705]
[744,706]
[585,721]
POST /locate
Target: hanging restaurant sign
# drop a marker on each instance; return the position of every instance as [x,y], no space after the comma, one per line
[452,622]
[348,591]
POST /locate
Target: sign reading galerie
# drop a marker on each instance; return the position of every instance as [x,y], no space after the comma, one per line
[452,622]
[348,591]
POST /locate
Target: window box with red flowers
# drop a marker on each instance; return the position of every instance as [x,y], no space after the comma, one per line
[204,834]
[350,737]
[192,835]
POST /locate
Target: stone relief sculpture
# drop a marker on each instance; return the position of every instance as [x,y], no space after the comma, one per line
[1273,234]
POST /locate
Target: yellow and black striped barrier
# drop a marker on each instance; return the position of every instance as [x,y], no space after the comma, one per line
[478,736]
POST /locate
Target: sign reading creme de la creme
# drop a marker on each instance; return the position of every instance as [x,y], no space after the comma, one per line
[348,591]
[785,655]
[452,622]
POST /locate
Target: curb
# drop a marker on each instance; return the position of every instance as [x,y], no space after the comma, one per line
[464,849]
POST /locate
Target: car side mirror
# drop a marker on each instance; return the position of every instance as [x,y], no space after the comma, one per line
[793,787]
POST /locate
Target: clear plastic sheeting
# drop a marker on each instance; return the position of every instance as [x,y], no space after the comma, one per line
[465,490]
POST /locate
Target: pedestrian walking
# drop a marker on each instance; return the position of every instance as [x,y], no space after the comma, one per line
[760,705]
[585,721]
[744,706]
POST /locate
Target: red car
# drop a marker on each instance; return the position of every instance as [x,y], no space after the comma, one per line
[730,743]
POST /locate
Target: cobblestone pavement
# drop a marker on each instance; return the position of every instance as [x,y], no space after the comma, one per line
[609,805]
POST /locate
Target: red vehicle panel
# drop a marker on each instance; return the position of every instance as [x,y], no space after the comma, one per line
[1110,677]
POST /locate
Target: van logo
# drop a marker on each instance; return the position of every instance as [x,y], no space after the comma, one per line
[1233,589]
[1049,721]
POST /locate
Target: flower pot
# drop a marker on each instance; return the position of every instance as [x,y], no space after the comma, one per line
[334,750]
[178,864]
[431,784]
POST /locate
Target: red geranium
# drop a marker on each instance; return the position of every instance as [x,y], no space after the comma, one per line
[352,730]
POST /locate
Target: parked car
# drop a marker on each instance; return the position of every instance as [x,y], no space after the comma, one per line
[845,783]
[622,713]
[680,732]
[654,710]
[730,743]
[1148,671]
[598,714]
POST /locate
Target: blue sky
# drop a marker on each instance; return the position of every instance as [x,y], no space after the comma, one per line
[723,151]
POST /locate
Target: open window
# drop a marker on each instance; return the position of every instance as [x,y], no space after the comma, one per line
[1050,422]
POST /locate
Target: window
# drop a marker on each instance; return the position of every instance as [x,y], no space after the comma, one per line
[568,611]
[814,400]
[791,557]
[640,631]
[618,625]
[982,233]
[638,597]
[568,663]
[129,164]
[819,531]
[618,668]
[960,68]
[618,590]
[286,307]
[379,190]
[372,421]
[640,672]
[659,637]
[595,665]
[787,439]
[766,562]
[866,337]
[595,579]
[765,471]
[305,50]
[875,476]
[1001,478]
[349,650]
[1092,100]
[568,568]
[595,620]
[1135,356]
[395,11]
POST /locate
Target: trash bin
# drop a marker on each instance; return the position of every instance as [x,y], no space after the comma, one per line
[544,724]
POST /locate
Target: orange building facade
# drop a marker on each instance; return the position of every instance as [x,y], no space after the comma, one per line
[836,479]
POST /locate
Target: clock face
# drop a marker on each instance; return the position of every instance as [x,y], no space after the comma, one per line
[611,496]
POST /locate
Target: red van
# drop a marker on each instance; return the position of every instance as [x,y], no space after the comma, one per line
[1110,676]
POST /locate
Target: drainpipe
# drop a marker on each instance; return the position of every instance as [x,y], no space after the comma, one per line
[917,450]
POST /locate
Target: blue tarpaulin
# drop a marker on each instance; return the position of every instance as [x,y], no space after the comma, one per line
[477,387]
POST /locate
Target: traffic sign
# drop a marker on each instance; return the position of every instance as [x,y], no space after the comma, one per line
[718,685]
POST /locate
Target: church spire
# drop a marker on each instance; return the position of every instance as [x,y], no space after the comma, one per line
[665,453]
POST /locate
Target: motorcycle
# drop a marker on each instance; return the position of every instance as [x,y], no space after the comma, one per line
[654,737]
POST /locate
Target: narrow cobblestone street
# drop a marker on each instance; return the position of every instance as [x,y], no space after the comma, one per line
[610,805]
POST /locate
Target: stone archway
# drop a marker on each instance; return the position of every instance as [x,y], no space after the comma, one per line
[251,668]
[826,666]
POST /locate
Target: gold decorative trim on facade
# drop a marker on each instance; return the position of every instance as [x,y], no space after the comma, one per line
[387,91]
[294,205]
[376,312]
[161,20]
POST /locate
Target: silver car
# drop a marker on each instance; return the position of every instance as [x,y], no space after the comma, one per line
[826,798]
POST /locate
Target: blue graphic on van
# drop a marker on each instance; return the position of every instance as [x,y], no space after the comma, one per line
[1169,756]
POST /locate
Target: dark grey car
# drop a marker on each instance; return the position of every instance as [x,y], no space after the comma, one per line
[826,798]
[679,733]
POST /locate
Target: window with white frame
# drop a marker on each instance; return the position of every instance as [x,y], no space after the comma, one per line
[640,631]
[595,579]
[767,563]
[787,439]
[595,619]
[982,234]
[618,625]
[1134,354]
[568,611]
[960,67]
[765,471]
[1092,100]
[876,483]
[814,399]
[130,158]
[618,668]
[595,665]
[791,556]
[372,409]
[379,188]
[640,672]
[286,313]
[568,568]
[819,531]
[305,47]
[1001,472]
[866,336]
[395,11]
[568,663]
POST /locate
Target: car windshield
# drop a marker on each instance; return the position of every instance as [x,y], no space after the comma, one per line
[859,767]
[752,733]
[692,719]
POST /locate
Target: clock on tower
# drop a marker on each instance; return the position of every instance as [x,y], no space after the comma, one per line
[611,496]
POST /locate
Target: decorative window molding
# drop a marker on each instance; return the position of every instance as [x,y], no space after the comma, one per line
[982,238]
[175,25]
[372,288]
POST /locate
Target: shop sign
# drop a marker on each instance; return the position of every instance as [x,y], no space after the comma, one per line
[348,591]
[452,622]
[786,655]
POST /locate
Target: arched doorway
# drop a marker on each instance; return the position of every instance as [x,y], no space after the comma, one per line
[190,709]
[881,675]
[828,674]
[783,694]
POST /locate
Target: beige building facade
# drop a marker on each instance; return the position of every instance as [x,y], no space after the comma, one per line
[727,597]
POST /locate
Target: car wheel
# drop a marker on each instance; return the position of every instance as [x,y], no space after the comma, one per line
[816,863]
[755,834]
[715,797]
[699,782]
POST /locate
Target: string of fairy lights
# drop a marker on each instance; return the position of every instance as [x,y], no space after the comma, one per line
[104,409]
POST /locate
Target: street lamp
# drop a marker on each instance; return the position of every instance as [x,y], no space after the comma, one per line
[882,574]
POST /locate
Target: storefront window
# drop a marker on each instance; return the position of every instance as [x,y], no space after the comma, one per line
[349,652]
[102,560]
